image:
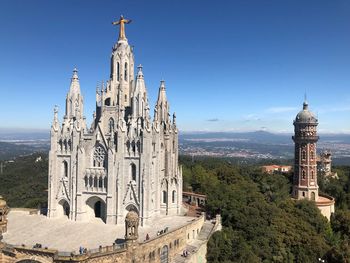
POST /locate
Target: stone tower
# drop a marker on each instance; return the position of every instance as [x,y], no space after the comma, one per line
[305,163]
[131,226]
[124,161]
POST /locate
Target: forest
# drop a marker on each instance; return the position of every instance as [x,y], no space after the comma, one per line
[261,223]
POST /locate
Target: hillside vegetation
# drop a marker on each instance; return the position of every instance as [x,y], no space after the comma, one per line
[260,221]
[23,182]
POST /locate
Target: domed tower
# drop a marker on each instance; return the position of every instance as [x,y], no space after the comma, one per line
[131,226]
[305,163]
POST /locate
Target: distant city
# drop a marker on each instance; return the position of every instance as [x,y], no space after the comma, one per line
[258,145]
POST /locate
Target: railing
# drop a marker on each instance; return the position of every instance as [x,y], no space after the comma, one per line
[91,252]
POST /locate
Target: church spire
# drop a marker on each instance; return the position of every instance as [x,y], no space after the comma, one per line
[162,106]
[74,84]
[74,101]
[139,96]
[55,124]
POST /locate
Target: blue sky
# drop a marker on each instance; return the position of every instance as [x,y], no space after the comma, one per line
[228,65]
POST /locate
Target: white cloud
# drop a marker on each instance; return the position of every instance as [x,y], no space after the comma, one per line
[251,117]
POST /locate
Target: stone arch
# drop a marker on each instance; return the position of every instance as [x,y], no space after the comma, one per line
[111,125]
[63,208]
[164,192]
[313,196]
[96,208]
[132,207]
[164,255]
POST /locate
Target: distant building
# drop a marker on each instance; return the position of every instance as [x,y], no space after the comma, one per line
[305,162]
[276,168]
[324,164]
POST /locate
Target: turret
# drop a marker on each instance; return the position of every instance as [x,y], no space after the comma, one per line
[139,96]
[162,106]
[305,164]
[74,101]
[131,227]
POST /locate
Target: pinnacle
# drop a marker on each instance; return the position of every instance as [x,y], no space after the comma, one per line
[75,74]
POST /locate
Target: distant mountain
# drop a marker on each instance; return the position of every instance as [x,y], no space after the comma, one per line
[260,137]
[258,145]
[23,134]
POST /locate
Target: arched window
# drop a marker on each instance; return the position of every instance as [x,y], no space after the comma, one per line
[174,196]
[126,98]
[313,196]
[312,155]
[164,197]
[312,174]
[133,146]
[95,181]
[133,172]
[303,155]
[65,169]
[126,72]
[99,158]
[105,182]
[303,174]
[118,71]
[164,256]
[108,102]
[111,125]
[90,181]
[86,179]
[100,182]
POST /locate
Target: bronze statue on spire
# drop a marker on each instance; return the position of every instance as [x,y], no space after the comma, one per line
[121,22]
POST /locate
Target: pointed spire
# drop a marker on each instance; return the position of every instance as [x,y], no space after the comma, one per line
[139,72]
[162,104]
[75,74]
[74,101]
[55,123]
[74,84]
[162,94]
[305,104]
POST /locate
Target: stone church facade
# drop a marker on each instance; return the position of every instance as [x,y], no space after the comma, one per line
[125,161]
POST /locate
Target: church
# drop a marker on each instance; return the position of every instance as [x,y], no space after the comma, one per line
[125,161]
